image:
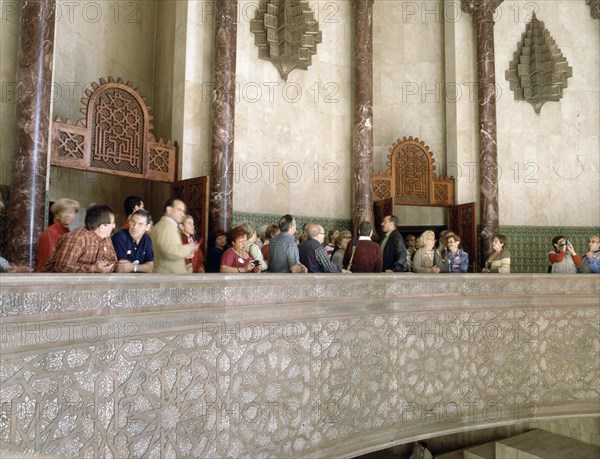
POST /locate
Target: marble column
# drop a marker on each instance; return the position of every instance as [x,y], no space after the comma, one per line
[483,12]
[223,115]
[32,126]
[362,143]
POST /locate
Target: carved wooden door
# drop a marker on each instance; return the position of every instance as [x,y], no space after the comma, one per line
[461,220]
[380,210]
[194,192]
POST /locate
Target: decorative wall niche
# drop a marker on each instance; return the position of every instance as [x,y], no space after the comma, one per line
[286,33]
[539,72]
[115,137]
[410,178]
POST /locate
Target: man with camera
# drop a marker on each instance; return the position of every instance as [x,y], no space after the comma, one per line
[563,259]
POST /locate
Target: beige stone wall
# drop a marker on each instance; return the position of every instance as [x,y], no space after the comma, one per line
[408,76]
[93,40]
[164,68]
[193,86]
[293,144]
[462,114]
[409,87]
[550,162]
[293,139]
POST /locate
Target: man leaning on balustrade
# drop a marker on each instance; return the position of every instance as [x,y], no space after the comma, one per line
[88,249]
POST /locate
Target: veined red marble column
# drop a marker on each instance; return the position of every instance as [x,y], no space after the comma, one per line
[32,125]
[483,12]
[223,115]
[362,144]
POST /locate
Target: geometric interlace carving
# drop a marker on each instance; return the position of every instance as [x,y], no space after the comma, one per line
[252,390]
[412,174]
[440,191]
[158,160]
[71,145]
[118,132]
[381,189]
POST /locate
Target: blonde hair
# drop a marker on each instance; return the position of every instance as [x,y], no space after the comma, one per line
[345,234]
[425,236]
[62,204]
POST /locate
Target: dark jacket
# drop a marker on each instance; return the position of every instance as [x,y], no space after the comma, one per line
[308,257]
[394,254]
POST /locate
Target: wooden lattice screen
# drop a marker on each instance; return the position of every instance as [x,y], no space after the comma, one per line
[410,178]
[115,137]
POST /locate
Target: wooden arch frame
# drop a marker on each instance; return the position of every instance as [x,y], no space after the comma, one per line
[115,137]
[410,178]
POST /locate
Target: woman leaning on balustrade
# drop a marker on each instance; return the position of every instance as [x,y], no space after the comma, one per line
[426,259]
[458,259]
[499,259]
[237,259]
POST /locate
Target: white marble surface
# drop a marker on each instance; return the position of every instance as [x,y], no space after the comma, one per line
[554,156]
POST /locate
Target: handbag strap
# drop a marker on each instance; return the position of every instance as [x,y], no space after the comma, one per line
[351,258]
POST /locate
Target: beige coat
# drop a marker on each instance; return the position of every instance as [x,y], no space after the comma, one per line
[169,251]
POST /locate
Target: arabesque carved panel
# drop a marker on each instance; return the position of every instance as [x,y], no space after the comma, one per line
[115,137]
[318,378]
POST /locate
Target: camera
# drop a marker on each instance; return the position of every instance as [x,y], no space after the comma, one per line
[567,243]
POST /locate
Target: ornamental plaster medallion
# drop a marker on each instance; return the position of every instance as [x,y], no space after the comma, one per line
[286,34]
[539,72]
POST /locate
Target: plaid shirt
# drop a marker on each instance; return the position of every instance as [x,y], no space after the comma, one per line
[78,252]
[325,261]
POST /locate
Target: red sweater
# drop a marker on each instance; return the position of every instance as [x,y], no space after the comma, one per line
[367,257]
[197,260]
[47,243]
[554,257]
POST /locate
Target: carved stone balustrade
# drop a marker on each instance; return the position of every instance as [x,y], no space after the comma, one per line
[287,365]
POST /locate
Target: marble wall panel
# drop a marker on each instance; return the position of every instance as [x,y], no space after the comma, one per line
[303,124]
[462,113]
[409,81]
[164,83]
[98,39]
[556,152]
[193,100]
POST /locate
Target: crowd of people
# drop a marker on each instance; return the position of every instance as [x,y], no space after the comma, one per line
[172,246]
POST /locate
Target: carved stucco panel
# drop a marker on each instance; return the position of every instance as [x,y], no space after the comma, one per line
[291,388]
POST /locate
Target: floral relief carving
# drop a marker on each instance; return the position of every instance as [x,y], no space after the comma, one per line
[539,71]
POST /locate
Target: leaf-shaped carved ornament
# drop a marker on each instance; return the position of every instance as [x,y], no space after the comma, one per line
[538,72]
[286,33]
